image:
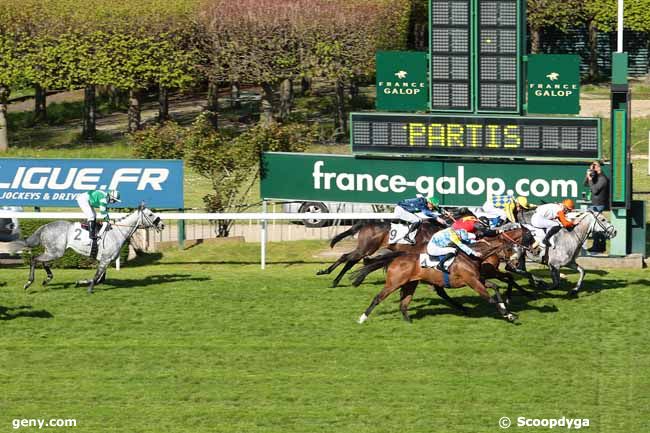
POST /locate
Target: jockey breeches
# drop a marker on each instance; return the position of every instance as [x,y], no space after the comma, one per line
[86,208]
[492,212]
[404,215]
[542,223]
[435,250]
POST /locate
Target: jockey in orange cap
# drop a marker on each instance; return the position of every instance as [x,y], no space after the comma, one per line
[552,217]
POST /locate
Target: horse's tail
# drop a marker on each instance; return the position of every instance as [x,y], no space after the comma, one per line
[35,239]
[371,264]
[349,232]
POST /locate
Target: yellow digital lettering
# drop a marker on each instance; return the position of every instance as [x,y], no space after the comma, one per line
[416,130]
[493,140]
[455,135]
[474,131]
[512,137]
[436,134]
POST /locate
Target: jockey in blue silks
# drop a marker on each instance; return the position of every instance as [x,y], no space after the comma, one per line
[444,245]
[407,210]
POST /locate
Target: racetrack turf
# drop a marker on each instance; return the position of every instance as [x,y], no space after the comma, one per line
[204,341]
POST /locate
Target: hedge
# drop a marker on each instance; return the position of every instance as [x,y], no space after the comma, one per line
[70,259]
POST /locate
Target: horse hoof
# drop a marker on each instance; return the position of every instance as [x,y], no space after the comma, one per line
[321,272]
[574,293]
[362,319]
[45,282]
[26,285]
[510,317]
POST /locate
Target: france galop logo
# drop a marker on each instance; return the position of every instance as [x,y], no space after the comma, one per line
[553,76]
[401,74]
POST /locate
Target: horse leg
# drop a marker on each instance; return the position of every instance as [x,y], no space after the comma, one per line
[49,273]
[476,284]
[343,258]
[101,269]
[406,295]
[392,284]
[345,269]
[555,275]
[443,294]
[32,271]
[501,307]
[577,267]
[43,258]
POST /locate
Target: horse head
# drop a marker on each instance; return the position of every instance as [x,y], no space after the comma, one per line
[601,224]
[149,219]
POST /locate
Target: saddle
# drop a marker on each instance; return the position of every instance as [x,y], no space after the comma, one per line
[86,226]
[427,261]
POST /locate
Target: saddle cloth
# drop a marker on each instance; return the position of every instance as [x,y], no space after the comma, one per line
[427,262]
[397,233]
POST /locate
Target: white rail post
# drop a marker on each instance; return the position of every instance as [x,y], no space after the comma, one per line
[619,12]
[263,238]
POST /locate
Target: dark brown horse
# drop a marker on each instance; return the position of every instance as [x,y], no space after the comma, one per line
[404,272]
[373,235]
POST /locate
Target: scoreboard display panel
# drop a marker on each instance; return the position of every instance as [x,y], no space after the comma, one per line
[475,49]
[466,135]
[498,54]
[450,50]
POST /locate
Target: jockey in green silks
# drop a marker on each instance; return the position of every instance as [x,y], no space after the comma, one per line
[91,200]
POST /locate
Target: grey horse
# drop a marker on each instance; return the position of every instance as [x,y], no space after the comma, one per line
[58,236]
[568,244]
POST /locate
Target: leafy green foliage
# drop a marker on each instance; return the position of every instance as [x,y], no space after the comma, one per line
[166,141]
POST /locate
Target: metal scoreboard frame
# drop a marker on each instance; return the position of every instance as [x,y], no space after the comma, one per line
[488,64]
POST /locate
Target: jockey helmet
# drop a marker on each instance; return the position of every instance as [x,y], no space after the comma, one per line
[522,201]
[569,204]
[114,195]
[434,201]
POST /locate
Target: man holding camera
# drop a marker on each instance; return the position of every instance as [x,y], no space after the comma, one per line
[598,183]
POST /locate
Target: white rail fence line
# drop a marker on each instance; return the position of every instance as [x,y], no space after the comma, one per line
[262,217]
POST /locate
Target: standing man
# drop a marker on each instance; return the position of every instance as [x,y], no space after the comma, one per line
[598,183]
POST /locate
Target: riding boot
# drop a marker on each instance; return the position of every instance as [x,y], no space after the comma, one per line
[441,265]
[92,229]
[412,228]
[547,239]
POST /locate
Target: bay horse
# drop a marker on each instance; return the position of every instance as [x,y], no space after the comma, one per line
[404,272]
[373,236]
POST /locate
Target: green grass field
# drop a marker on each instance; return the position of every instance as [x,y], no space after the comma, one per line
[204,341]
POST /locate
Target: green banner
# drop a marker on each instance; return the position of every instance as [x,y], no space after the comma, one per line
[402,81]
[553,84]
[291,176]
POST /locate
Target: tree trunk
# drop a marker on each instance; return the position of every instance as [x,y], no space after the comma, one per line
[40,104]
[4,101]
[534,41]
[212,108]
[354,88]
[89,128]
[134,110]
[267,104]
[286,99]
[235,94]
[341,122]
[593,50]
[163,104]
[305,86]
